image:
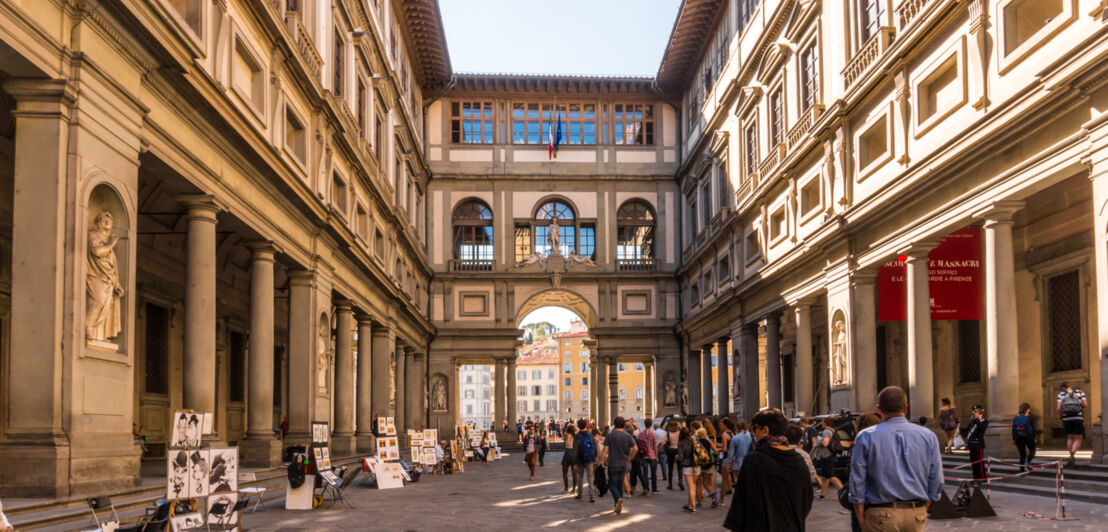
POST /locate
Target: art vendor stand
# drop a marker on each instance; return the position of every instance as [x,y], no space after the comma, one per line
[204,478]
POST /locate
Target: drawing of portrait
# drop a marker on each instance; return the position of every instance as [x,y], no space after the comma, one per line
[180,428]
[198,473]
[193,430]
[223,474]
[177,475]
[182,523]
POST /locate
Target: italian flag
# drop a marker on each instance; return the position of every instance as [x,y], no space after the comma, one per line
[554,136]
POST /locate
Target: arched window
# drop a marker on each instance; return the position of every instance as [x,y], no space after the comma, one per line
[635,236]
[544,217]
[473,250]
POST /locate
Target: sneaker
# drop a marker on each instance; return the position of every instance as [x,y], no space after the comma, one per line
[655,491]
[578,496]
[619,506]
[819,497]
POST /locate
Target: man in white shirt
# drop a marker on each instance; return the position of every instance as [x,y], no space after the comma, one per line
[660,435]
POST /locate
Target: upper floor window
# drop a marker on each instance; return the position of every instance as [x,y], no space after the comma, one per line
[471,122]
[776,118]
[871,11]
[750,139]
[579,123]
[567,367]
[745,12]
[473,231]
[545,218]
[338,66]
[634,123]
[635,231]
[809,76]
[192,13]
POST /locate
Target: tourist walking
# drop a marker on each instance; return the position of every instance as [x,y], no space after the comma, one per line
[686,461]
[647,441]
[660,449]
[708,471]
[635,473]
[485,448]
[793,435]
[586,459]
[619,449]
[519,430]
[975,440]
[865,420]
[823,457]
[1023,436]
[895,469]
[726,432]
[948,422]
[569,459]
[531,449]
[740,445]
[1071,408]
[773,491]
[542,444]
[810,432]
[673,438]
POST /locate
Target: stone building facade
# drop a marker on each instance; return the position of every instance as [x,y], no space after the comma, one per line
[245,208]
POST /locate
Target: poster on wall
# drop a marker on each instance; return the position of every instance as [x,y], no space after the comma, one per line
[956,288]
[221,511]
[223,475]
[177,475]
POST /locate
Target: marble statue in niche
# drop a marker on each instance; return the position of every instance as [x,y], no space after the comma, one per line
[438,395]
[839,363]
[323,344]
[555,238]
[103,313]
[392,381]
[670,385]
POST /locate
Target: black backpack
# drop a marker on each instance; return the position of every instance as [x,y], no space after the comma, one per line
[835,445]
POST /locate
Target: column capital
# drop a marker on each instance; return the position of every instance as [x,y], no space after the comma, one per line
[343,305]
[998,212]
[723,340]
[511,362]
[41,96]
[261,250]
[201,206]
[863,276]
[918,250]
[804,302]
[773,316]
[363,319]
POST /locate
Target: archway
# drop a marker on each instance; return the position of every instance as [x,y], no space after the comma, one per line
[559,297]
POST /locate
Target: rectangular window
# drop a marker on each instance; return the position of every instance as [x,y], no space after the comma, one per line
[536,390]
[753,250]
[521,391]
[777,118]
[469,409]
[247,76]
[584,395]
[237,373]
[587,245]
[526,123]
[1063,310]
[471,122]
[361,222]
[550,374]
[723,269]
[622,367]
[338,193]
[751,156]
[633,123]
[584,381]
[551,389]
[969,351]
[568,381]
[809,76]
[871,11]
[537,403]
[338,66]
[157,349]
[567,367]
[551,405]
[705,205]
[536,374]
[1024,18]
[521,375]
[941,90]
[584,367]
[623,393]
[379,244]
[873,144]
[579,122]
[638,366]
[638,392]
[296,141]
[810,196]
[521,405]
[777,226]
[360,108]
[522,241]
[567,396]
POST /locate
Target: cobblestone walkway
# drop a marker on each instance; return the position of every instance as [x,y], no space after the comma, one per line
[500,497]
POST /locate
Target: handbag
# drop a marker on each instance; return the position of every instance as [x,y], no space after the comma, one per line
[959,442]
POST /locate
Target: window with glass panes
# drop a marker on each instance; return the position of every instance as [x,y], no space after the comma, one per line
[777,117]
[338,66]
[567,229]
[750,138]
[635,231]
[633,123]
[587,242]
[526,123]
[809,76]
[522,241]
[473,231]
[579,123]
[471,122]
[871,11]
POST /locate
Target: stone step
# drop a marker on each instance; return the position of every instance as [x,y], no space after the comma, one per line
[1083,481]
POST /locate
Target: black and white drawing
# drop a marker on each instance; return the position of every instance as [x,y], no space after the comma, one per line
[177,475]
[224,472]
[221,511]
[186,522]
[198,473]
[186,430]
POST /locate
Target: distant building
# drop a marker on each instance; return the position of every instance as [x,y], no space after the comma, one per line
[537,381]
[574,371]
[474,385]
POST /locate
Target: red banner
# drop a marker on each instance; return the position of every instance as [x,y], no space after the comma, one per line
[956,288]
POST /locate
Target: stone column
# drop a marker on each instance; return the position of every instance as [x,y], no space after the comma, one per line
[342,441]
[747,369]
[363,416]
[864,339]
[649,401]
[805,391]
[613,389]
[384,342]
[921,386]
[260,448]
[723,373]
[603,399]
[499,394]
[401,388]
[594,387]
[200,304]
[707,391]
[1098,173]
[693,367]
[1001,324]
[302,351]
[511,410]
[773,359]
[415,413]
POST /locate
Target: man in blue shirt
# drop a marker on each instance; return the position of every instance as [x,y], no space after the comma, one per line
[895,469]
[738,448]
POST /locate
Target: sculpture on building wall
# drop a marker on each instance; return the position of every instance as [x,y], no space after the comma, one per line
[103,315]
[533,258]
[323,346]
[670,384]
[574,256]
[438,394]
[555,238]
[839,363]
[392,380]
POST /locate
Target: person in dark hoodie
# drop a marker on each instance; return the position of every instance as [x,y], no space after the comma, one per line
[773,492]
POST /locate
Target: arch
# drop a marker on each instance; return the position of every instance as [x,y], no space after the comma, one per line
[555,206]
[472,210]
[635,221]
[559,297]
[472,222]
[635,210]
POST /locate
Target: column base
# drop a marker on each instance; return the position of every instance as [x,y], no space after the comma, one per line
[1099,442]
[343,445]
[55,470]
[998,439]
[260,452]
[365,443]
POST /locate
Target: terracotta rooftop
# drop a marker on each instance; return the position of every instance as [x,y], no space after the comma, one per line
[538,357]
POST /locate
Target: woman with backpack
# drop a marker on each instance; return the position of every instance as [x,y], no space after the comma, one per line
[975,440]
[823,457]
[686,461]
[948,421]
[1023,435]
[706,460]
[585,451]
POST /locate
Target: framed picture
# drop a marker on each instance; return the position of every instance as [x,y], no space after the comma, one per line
[223,475]
[317,456]
[177,475]
[206,421]
[319,432]
[382,425]
[187,522]
[390,426]
[199,468]
[187,428]
[327,458]
[221,510]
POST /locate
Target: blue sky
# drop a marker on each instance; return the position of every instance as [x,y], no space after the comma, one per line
[559,316]
[595,37]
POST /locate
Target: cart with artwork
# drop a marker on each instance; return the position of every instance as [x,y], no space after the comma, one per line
[202,478]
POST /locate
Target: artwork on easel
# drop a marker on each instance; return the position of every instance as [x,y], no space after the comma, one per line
[198,473]
[177,475]
[319,433]
[223,475]
[382,426]
[390,426]
[330,477]
[221,511]
[326,458]
[187,428]
[187,522]
[317,457]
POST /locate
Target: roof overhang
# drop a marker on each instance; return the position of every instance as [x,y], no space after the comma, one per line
[692,30]
[425,37]
[552,84]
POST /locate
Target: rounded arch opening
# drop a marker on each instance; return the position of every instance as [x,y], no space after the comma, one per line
[558,297]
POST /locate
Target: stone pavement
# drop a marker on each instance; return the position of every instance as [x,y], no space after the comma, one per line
[500,497]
